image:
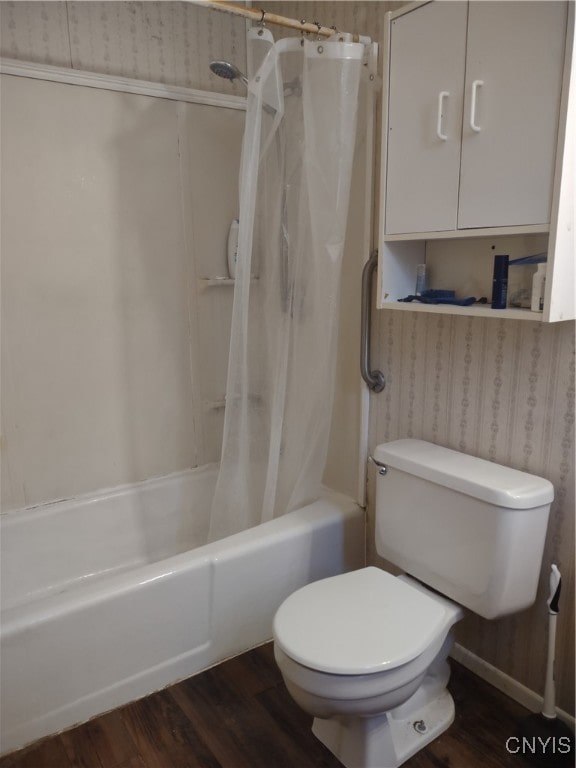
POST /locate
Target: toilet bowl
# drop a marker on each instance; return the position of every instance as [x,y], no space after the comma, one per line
[365,654]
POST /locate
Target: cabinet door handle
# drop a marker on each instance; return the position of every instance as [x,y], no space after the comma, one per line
[441,97]
[475,85]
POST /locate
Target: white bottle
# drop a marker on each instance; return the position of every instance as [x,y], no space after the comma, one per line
[233,247]
[538,288]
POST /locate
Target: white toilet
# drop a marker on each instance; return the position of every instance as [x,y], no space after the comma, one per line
[365,652]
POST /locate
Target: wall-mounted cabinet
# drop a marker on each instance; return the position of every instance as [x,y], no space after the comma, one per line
[478,141]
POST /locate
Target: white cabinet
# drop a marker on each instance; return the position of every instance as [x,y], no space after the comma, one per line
[514,63]
[478,144]
[473,104]
[426,83]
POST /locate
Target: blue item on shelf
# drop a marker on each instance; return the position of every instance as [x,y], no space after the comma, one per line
[500,282]
[539,258]
[439,296]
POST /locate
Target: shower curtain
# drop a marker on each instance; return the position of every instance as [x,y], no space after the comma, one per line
[294,193]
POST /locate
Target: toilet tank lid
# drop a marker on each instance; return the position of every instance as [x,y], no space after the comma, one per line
[484,480]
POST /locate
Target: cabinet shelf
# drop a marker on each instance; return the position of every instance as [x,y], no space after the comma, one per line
[476,310]
[464,234]
[464,265]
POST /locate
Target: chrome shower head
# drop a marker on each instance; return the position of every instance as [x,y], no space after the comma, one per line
[228,71]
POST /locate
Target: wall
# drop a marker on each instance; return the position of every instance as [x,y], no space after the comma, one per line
[102,243]
[361,17]
[117,204]
[502,390]
[491,389]
[162,42]
[103,412]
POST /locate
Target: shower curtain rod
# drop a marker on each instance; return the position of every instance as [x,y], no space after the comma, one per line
[265,17]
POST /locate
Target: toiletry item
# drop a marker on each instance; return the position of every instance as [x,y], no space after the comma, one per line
[233,247]
[500,282]
[520,275]
[538,288]
[420,279]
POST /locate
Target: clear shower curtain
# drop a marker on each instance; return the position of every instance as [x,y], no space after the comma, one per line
[294,193]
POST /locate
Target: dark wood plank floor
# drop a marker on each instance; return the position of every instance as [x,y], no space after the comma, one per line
[239,715]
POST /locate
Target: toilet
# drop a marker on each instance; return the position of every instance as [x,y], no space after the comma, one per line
[366,652]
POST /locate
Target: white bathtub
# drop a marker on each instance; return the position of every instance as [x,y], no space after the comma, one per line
[110,597]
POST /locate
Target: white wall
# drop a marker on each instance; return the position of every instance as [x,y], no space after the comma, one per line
[126,203]
[113,205]
[107,216]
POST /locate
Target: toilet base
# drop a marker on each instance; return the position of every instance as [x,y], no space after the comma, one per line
[385,741]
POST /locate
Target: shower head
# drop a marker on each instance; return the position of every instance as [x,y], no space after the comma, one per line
[231,72]
[228,71]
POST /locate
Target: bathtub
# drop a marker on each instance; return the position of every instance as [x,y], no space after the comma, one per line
[109,597]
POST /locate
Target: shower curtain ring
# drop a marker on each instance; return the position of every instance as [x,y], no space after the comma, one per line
[319,28]
[261,22]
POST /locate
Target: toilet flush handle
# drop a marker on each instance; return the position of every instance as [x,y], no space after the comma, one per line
[382,468]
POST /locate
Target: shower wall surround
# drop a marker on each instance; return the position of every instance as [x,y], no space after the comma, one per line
[118,204]
[126,210]
[111,219]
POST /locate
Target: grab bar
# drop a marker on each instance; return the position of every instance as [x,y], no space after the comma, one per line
[374,379]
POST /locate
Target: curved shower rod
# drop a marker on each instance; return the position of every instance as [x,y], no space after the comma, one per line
[261,17]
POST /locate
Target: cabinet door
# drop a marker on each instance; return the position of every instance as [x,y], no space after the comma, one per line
[427,54]
[513,80]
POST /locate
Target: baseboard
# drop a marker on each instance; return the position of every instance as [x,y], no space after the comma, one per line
[504,682]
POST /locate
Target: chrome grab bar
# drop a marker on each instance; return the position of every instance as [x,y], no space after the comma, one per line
[374,379]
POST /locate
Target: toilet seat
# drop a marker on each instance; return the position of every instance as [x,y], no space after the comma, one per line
[360,623]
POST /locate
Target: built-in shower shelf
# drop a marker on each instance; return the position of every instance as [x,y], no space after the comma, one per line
[213,282]
[254,401]
[214,405]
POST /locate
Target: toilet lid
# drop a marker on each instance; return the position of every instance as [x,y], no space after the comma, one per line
[358,623]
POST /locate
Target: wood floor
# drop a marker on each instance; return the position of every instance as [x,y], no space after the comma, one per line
[239,715]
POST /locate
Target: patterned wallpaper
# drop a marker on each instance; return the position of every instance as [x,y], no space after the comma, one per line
[499,389]
[364,18]
[164,42]
[502,390]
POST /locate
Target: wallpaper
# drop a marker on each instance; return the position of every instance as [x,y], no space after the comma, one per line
[363,18]
[499,389]
[162,42]
[502,390]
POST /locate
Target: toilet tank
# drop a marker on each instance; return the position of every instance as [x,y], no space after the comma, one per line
[471,529]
